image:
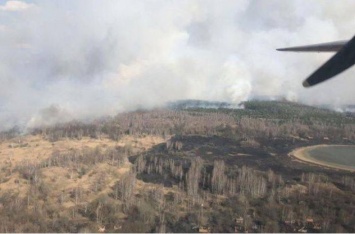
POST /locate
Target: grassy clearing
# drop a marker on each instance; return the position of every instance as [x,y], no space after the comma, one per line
[34,149]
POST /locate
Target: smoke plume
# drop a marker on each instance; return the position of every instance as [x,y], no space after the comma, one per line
[83,59]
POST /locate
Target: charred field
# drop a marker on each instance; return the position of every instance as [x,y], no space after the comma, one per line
[183,168]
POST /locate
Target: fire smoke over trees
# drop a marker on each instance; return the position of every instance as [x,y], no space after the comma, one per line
[81,59]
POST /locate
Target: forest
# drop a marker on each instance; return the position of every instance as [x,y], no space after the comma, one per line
[181,168]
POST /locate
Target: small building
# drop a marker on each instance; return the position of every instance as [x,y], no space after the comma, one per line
[302,230]
[204,229]
[239,220]
[317,226]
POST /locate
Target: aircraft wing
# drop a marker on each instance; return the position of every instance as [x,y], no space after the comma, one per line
[342,60]
[324,47]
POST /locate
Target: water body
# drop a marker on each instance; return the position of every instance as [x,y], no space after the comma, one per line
[338,156]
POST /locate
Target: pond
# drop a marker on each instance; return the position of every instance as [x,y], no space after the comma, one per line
[336,156]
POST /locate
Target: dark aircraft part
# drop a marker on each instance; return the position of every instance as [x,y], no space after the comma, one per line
[324,47]
[341,61]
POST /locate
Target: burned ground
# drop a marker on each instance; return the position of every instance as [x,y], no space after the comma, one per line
[223,170]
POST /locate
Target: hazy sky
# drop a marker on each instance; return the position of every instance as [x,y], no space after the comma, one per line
[83,59]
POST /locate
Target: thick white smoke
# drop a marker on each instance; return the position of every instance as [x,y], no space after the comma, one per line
[83,59]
